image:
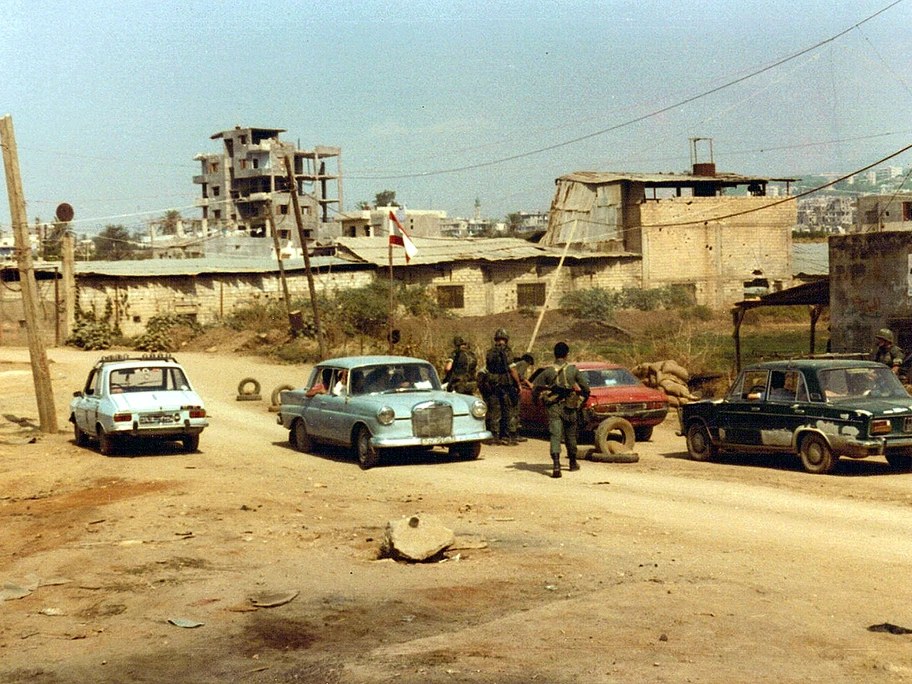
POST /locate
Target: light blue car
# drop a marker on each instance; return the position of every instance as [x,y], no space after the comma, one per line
[372,403]
[140,397]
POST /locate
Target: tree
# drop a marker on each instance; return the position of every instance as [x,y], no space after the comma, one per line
[514,222]
[168,223]
[113,244]
[386,198]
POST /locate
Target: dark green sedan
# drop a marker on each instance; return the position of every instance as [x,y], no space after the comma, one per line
[818,409]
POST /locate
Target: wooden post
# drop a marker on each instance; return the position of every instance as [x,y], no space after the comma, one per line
[68,254]
[293,191]
[44,392]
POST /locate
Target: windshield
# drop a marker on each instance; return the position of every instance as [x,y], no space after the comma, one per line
[855,383]
[147,379]
[609,377]
[395,377]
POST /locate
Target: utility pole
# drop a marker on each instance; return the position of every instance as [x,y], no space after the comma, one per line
[293,191]
[68,258]
[44,392]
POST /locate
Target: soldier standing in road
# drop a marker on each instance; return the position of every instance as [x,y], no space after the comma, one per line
[460,368]
[503,385]
[564,390]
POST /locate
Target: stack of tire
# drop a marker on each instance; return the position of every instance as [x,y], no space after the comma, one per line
[668,376]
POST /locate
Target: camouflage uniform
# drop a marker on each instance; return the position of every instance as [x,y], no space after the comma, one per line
[461,368]
[563,415]
[503,390]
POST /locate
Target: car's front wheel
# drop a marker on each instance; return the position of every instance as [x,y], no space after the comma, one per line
[699,443]
[301,440]
[816,455]
[643,433]
[80,437]
[368,454]
[468,451]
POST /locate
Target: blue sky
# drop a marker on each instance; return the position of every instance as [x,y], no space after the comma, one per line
[445,103]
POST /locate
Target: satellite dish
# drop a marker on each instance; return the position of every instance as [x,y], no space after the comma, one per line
[64,212]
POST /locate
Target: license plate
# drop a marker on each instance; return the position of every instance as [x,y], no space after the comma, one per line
[907,424]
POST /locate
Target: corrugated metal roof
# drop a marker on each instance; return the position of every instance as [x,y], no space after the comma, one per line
[666,179]
[212,264]
[444,250]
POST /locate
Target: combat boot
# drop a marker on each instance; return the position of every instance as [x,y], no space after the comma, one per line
[573,464]
[556,472]
[512,440]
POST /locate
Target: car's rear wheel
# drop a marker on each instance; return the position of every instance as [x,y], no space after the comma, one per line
[191,443]
[106,444]
[301,440]
[699,443]
[468,451]
[900,462]
[79,436]
[368,454]
[643,433]
[816,455]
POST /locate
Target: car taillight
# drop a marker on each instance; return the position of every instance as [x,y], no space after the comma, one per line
[123,417]
[198,413]
[881,426]
[657,404]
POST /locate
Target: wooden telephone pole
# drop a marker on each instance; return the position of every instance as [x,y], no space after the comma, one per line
[44,392]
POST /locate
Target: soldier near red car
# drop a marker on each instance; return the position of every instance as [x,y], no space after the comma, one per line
[460,369]
[502,390]
[564,390]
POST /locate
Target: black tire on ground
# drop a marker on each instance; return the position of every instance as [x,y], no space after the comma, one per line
[468,451]
[614,436]
[79,436]
[699,443]
[191,443]
[900,462]
[816,455]
[299,437]
[106,444]
[368,455]
[628,457]
[276,398]
[643,433]
[244,389]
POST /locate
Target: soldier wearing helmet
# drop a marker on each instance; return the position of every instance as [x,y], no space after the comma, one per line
[885,351]
[459,370]
[502,389]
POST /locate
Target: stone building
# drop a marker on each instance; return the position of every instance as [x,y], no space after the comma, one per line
[682,228]
[876,213]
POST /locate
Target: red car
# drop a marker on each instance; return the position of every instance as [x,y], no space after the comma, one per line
[615,393]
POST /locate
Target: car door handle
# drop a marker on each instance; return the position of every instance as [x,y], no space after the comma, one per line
[799,411]
[755,408]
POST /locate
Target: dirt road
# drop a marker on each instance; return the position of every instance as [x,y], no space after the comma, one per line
[665,570]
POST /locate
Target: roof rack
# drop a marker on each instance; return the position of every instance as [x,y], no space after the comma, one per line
[114,358]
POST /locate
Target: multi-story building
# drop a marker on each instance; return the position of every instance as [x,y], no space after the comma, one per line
[880,213]
[246,187]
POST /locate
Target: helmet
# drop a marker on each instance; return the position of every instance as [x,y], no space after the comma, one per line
[885,334]
[458,341]
[501,334]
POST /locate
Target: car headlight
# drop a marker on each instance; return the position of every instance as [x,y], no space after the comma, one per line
[479,408]
[386,415]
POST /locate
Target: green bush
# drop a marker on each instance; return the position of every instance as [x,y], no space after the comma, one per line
[92,335]
[161,334]
[592,304]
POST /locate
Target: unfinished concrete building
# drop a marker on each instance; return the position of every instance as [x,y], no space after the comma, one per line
[683,227]
[245,188]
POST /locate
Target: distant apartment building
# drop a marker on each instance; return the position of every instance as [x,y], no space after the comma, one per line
[245,188]
[881,213]
[375,222]
[826,214]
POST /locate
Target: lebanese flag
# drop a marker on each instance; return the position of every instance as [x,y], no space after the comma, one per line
[398,236]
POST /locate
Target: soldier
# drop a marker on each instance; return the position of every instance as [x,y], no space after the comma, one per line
[885,351]
[502,383]
[564,390]
[460,368]
[524,365]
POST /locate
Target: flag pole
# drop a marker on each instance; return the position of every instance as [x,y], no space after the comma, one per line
[389,332]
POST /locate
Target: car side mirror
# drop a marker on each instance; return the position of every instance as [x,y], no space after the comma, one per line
[77,393]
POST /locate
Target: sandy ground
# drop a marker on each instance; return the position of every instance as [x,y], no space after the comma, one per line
[666,570]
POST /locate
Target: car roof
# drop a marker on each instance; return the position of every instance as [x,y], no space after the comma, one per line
[127,361]
[814,364]
[358,361]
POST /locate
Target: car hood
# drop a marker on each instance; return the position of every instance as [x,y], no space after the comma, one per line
[406,399]
[155,401]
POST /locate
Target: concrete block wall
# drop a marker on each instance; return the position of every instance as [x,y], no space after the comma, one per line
[716,256]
